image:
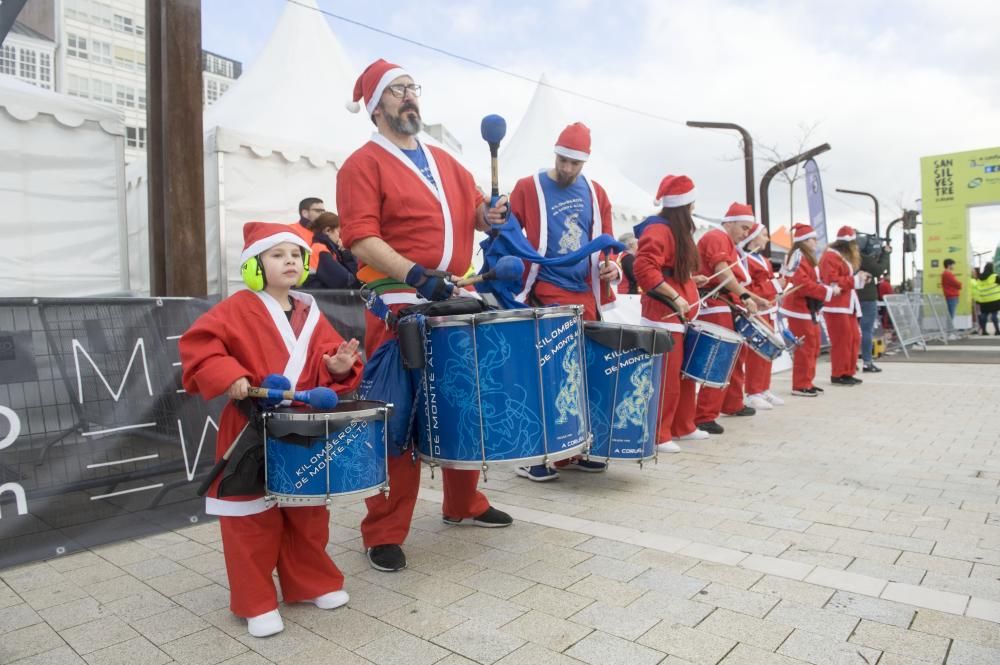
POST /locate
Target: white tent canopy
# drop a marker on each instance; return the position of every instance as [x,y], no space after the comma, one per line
[530,149]
[61,192]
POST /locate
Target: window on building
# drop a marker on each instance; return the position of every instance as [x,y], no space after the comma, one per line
[141,97]
[8,61]
[211,92]
[76,46]
[125,96]
[124,58]
[124,24]
[45,70]
[100,13]
[102,91]
[140,30]
[29,64]
[78,86]
[100,52]
[135,137]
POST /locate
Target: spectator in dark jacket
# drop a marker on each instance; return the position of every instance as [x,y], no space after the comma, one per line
[330,266]
[874,261]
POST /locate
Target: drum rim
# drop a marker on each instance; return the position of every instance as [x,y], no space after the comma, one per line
[316,499]
[504,316]
[285,413]
[772,336]
[470,465]
[709,327]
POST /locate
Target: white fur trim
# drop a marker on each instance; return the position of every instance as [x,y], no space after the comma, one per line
[297,347]
[677,200]
[543,240]
[383,83]
[595,258]
[849,238]
[740,218]
[227,508]
[829,293]
[353,107]
[568,153]
[795,315]
[811,234]
[663,325]
[267,243]
[714,310]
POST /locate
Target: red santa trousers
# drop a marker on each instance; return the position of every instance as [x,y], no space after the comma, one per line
[845,343]
[804,360]
[712,401]
[293,540]
[388,520]
[758,370]
[677,395]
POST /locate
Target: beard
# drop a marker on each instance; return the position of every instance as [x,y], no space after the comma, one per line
[564,180]
[407,122]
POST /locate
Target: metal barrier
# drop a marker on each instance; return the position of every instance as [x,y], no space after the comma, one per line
[905,321]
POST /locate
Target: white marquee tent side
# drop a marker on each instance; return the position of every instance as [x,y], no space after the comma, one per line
[62,177]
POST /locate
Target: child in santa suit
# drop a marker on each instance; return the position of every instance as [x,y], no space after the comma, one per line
[805,295]
[246,337]
[763,283]
[838,265]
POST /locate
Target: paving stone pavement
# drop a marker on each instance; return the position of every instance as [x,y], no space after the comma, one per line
[859,527]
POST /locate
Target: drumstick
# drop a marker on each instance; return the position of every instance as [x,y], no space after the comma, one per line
[701,301]
[493,128]
[507,269]
[317,398]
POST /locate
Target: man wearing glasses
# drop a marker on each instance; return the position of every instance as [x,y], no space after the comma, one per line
[309,209]
[408,212]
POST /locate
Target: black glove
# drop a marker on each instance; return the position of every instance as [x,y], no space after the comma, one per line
[431,284]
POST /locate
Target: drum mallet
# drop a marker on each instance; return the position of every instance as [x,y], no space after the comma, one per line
[493,128]
[317,398]
[507,269]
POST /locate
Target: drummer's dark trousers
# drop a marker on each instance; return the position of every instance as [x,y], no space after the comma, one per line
[804,360]
[713,401]
[293,540]
[758,368]
[677,395]
[845,343]
[388,519]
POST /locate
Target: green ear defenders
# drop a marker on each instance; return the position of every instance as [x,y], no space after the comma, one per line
[252,272]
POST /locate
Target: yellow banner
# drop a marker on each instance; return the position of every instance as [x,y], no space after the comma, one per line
[950,184]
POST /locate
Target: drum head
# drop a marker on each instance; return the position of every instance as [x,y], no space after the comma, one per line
[716,331]
[505,316]
[308,422]
[621,337]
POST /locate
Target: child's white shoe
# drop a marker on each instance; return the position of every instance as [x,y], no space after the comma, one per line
[332,600]
[266,624]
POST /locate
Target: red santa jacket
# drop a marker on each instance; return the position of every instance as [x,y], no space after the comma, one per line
[382,194]
[762,280]
[835,269]
[950,286]
[656,255]
[806,279]
[524,204]
[248,335]
[716,247]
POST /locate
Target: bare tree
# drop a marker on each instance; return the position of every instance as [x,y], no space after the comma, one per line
[771,155]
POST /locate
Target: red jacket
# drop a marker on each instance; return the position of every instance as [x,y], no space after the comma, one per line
[806,278]
[950,284]
[762,280]
[657,251]
[713,248]
[835,269]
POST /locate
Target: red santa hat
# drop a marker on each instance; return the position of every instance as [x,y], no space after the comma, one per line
[574,142]
[675,191]
[258,237]
[739,212]
[755,231]
[847,233]
[372,83]
[802,232]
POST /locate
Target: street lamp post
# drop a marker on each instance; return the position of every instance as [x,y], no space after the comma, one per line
[874,200]
[765,182]
[747,152]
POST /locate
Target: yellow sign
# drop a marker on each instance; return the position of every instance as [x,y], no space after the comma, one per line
[951,184]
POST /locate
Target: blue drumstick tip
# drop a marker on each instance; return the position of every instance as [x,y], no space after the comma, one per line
[493,128]
[509,268]
[322,398]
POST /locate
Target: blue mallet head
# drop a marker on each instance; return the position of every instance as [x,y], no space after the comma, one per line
[322,398]
[274,382]
[493,129]
[509,269]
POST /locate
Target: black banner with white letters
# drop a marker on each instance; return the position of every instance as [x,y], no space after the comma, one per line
[98,440]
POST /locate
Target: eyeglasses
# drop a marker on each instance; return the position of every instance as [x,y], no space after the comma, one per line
[319,210]
[399,90]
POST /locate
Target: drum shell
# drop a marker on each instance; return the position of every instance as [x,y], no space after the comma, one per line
[710,353]
[761,339]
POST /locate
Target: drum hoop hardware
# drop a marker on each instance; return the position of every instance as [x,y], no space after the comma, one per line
[327,459]
[614,394]
[385,446]
[479,397]
[541,388]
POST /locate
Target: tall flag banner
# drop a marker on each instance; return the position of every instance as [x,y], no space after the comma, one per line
[817,209]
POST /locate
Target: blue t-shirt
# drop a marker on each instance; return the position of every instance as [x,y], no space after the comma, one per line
[570,218]
[419,159]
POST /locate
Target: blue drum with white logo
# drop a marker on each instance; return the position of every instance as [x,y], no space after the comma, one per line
[759,337]
[310,456]
[710,353]
[791,341]
[624,375]
[504,386]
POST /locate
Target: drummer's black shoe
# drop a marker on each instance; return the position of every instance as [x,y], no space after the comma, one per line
[854,380]
[817,390]
[745,411]
[587,465]
[871,367]
[842,380]
[711,427]
[805,392]
[491,519]
[387,558]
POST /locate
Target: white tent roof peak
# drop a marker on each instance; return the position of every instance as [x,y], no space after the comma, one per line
[297,88]
[531,149]
[23,101]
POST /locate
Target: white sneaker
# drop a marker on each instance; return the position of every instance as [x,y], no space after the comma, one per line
[772,398]
[330,601]
[696,435]
[668,447]
[266,624]
[758,402]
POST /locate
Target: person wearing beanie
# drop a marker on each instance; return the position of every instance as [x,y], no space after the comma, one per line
[839,265]
[408,212]
[717,250]
[250,335]
[560,210]
[800,304]
[666,267]
[765,284]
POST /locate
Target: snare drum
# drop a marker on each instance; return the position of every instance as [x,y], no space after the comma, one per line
[624,374]
[504,386]
[710,353]
[791,341]
[311,456]
[759,337]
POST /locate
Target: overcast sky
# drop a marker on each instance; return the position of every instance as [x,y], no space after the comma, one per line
[884,83]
